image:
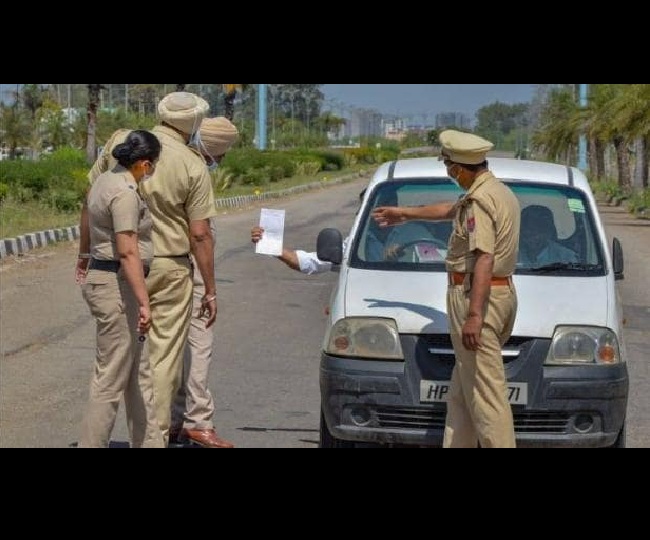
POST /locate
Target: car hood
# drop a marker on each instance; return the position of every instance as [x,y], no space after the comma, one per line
[417,301]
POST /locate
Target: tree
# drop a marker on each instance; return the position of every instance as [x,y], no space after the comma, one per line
[15,127]
[93,104]
[230,93]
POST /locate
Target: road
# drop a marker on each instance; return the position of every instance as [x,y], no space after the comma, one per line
[268,333]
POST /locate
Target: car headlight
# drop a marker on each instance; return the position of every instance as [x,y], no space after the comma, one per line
[583,345]
[365,337]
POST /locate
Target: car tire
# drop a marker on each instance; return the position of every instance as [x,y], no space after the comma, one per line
[327,440]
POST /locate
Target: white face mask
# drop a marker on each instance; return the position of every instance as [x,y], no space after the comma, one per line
[195,140]
[148,175]
[455,181]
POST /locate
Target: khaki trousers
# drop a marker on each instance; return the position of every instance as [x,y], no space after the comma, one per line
[478,410]
[122,368]
[194,407]
[170,295]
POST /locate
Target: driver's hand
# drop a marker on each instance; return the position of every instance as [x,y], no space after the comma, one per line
[392,252]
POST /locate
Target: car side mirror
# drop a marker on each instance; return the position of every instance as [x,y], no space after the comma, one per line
[617,256]
[329,246]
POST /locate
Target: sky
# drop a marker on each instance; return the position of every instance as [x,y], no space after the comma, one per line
[429,99]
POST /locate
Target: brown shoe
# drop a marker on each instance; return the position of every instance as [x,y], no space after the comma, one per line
[207,438]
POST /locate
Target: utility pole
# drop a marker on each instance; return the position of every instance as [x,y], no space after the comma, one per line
[582,143]
[260,124]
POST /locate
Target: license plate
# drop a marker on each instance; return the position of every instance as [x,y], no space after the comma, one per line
[438,391]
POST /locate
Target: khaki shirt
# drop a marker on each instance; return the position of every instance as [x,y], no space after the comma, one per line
[487,219]
[179,191]
[114,206]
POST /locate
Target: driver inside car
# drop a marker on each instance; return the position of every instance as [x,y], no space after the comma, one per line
[538,240]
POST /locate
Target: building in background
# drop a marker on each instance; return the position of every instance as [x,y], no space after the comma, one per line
[453,120]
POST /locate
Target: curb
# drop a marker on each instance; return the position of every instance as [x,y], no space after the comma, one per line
[26,242]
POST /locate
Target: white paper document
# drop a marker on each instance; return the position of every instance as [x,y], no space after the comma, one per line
[272,221]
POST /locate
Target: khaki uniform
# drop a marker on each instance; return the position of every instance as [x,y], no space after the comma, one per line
[487,219]
[194,407]
[179,191]
[122,368]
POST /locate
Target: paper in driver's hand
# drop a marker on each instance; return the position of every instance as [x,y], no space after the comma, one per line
[272,221]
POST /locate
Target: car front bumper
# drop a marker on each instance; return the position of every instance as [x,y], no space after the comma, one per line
[379,401]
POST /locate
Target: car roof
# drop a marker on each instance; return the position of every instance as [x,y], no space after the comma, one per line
[503,168]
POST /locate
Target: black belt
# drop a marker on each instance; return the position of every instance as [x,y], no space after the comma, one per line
[112,265]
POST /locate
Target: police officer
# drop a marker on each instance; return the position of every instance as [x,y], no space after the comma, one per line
[181,201]
[112,277]
[481,297]
[193,408]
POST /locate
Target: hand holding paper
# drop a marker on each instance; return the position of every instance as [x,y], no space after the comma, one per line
[272,221]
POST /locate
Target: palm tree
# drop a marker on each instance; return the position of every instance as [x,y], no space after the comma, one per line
[610,127]
[632,109]
[560,122]
[93,104]
[230,93]
[15,127]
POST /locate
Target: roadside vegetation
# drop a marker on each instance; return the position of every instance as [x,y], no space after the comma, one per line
[46,147]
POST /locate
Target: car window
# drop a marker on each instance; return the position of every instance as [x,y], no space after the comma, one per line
[556,229]
[557,232]
[416,243]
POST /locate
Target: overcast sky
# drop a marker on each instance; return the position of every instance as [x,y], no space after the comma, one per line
[429,99]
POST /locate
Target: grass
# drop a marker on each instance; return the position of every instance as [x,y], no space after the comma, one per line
[286,183]
[29,217]
[22,218]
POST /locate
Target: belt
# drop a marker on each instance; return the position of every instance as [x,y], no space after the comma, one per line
[110,265]
[458,278]
[185,256]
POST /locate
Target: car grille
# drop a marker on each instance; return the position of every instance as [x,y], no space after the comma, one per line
[443,342]
[421,418]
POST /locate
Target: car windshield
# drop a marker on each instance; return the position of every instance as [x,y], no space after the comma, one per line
[557,230]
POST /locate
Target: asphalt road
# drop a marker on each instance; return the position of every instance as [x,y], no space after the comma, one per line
[268,333]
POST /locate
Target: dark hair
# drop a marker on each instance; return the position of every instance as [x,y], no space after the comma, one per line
[538,218]
[140,144]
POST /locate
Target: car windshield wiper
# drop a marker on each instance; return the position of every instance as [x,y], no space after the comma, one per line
[564,266]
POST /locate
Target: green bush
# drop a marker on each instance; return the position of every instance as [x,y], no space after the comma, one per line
[64,200]
[639,201]
[255,177]
[608,189]
[4,191]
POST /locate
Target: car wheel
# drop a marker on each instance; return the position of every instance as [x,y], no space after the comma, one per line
[327,440]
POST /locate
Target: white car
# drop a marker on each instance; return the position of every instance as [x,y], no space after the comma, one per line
[387,356]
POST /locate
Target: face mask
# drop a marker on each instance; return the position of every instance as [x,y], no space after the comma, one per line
[195,140]
[148,175]
[455,180]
